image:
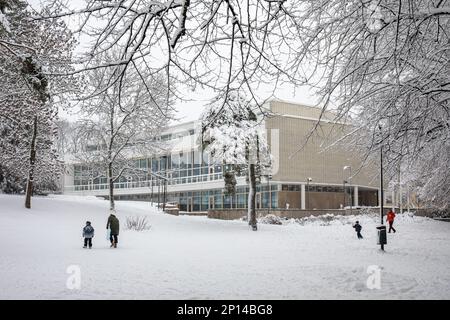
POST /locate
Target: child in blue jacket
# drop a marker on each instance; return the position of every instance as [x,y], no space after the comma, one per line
[88,234]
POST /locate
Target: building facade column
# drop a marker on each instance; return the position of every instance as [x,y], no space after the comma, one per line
[302,197]
[355,196]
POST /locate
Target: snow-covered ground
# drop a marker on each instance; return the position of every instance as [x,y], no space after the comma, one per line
[198,258]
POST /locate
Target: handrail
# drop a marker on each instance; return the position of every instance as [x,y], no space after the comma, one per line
[147,183]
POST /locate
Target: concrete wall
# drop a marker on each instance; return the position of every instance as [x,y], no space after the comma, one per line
[284,107]
[234,214]
[324,200]
[314,200]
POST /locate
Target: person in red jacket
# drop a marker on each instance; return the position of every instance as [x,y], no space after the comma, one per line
[390,219]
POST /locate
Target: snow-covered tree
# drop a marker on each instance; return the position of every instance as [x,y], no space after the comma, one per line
[120,123]
[206,44]
[384,66]
[234,136]
[382,61]
[32,52]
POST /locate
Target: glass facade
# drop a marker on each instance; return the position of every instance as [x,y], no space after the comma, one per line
[217,199]
[179,168]
[314,188]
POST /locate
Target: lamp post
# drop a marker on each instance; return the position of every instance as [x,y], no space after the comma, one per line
[308,180]
[159,192]
[351,197]
[151,192]
[164,191]
[269,193]
[381,188]
[343,190]
[91,181]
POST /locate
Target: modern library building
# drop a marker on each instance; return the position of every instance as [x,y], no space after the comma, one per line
[305,175]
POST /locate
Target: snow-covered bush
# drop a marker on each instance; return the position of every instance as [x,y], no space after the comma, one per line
[441,213]
[270,219]
[137,223]
[323,220]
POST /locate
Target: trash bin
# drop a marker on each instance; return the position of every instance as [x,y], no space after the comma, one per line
[382,237]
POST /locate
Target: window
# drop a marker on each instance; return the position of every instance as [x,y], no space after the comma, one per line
[162,163]
[204,202]
[183,160]
[265,199]
[77,170]
[274,199]
[227,201]
[166,137]
[175,161]
[288,187]
[143,163]
[241,200]
[197,163]
[190,159]
[154,164]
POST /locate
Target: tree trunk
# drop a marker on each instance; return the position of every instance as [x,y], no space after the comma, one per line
[252,197]
[29,190]
[111,187]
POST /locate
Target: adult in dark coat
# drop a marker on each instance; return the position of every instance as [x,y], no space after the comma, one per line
[114,225]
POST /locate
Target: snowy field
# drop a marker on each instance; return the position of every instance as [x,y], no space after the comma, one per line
[198,258]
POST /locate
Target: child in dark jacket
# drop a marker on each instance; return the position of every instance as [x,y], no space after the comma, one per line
[88,234]
[358,228]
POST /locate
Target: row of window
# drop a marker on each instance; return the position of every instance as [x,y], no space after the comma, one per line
[101,184]
[314,188]
[182,164]
[163,138]
[211,199]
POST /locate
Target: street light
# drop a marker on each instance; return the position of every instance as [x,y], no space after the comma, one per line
[381,228]
[166,176]
[308,180]
[269,193]
[351,197]
[151,186]
[91,181]
[164,191]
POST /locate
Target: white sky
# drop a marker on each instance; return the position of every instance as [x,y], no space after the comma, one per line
[193,107]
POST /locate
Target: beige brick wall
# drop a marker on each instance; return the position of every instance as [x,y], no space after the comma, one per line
[312,159]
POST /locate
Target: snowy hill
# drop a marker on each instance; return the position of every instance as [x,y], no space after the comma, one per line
[198,258]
